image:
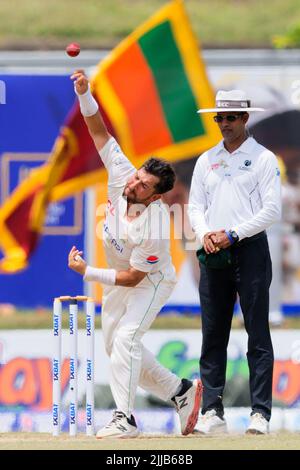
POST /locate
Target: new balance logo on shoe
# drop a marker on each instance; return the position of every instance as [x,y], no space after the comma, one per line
[187,406]
[122,428]
[182,402]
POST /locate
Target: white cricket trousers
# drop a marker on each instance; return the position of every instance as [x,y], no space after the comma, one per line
[127,313]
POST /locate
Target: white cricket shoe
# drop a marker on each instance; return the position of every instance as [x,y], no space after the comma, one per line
[258,424]
[187,406]
[211,423]
[120,427]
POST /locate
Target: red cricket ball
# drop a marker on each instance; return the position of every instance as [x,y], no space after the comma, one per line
[73,49]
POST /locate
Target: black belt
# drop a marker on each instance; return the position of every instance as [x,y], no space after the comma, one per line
[248,240]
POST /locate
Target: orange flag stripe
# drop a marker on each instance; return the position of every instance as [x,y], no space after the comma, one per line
[147,122]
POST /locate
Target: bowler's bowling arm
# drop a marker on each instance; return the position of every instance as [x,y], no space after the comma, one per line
[126,278]
[97,130]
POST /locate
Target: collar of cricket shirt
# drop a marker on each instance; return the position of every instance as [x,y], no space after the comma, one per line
[246,147]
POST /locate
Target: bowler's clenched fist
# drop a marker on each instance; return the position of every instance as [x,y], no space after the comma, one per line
[81,81]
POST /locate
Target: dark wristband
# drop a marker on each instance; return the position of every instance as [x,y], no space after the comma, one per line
[230,238]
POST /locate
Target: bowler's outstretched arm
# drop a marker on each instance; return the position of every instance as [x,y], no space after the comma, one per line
[90,111]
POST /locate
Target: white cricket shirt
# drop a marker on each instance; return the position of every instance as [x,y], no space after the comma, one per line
[142,243]
[238,191]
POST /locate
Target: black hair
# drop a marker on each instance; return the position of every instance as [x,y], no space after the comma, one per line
[162,170]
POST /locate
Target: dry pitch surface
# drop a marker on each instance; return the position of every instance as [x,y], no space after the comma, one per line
[41,441]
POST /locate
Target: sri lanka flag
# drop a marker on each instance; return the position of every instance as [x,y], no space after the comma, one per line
[149,89]
[151,86]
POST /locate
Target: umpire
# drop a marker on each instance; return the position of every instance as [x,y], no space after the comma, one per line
[235,196]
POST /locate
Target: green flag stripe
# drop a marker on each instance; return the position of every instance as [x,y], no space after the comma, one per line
[176,96]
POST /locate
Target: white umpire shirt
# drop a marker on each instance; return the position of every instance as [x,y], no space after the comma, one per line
[238,191]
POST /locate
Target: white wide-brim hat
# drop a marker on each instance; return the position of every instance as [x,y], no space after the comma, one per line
[233,100]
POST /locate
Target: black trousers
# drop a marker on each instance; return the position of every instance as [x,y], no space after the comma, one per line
[250,276]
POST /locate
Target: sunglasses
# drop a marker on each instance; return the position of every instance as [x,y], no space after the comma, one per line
[229,117]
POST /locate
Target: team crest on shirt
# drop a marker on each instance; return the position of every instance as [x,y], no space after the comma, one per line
[247,164]
[152,259]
